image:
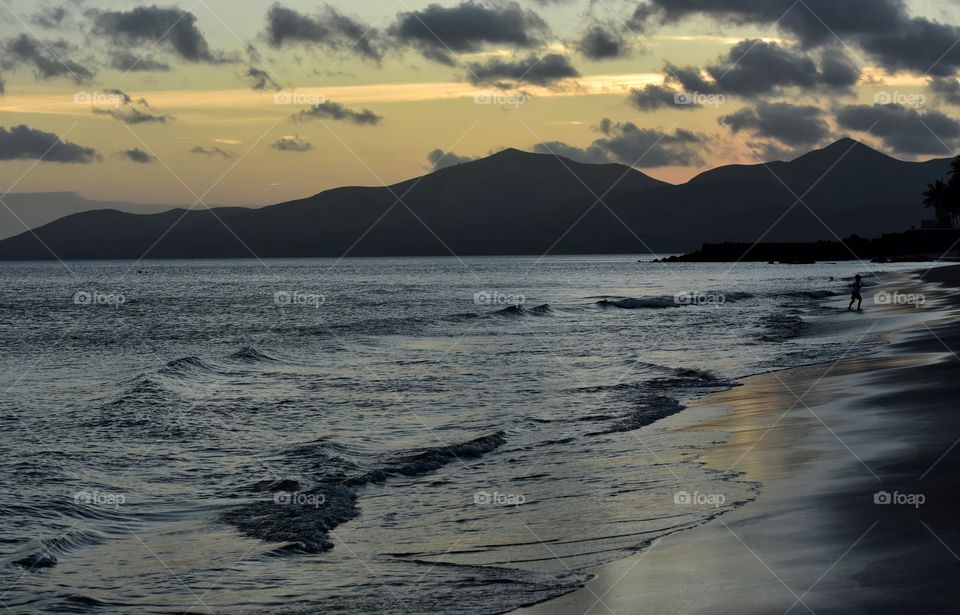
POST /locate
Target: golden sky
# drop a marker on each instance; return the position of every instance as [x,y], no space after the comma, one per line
[222,142]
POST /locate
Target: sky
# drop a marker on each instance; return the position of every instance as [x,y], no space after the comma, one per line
[252,103]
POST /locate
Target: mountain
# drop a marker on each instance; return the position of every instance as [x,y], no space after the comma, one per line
[32,209]
[515,202]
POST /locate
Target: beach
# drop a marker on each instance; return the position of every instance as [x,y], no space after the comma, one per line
[856,470]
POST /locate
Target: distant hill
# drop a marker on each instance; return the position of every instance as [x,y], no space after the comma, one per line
[27,210]
[516,202]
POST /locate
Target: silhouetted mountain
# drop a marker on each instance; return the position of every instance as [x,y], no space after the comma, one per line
[516,202]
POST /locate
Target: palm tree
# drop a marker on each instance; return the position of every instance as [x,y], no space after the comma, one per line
[944,196]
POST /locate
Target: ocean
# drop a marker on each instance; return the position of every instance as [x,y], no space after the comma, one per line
[420,435]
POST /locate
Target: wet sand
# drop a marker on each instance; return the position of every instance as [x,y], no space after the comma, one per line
[828,446]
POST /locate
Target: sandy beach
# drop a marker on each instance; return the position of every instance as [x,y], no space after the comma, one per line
[856,467]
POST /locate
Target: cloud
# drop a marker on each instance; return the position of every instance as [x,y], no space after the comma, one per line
[291,144]
[792,125]
[947,88]
[132,111]
[50,17]
[25,143]
[129,62]
[652,97]
[330,29]
[211,152]
[754,67]
[133,115]
[47,58]
[336,111]
[905,130]
[627,143]
[260,79]
[602,43]
[440,159]
[589,155]
[3,86]
[439,32]
[168,27]
[137,155]
[543,71]
[884,29]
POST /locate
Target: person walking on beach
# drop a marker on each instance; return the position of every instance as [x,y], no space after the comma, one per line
[856,296]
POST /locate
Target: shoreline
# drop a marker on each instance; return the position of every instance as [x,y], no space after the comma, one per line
[821,442]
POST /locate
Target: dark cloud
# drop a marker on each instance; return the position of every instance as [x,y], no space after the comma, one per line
[601,42]
[329,29]
[440,159]
[167,27]
[133,115]
[25,143]
[50,17]
[884,29]
[137,155]
[902,129]
[129,62]
[123,97]
[791,125]
[260,79]
[211,152]
[755,67]
[48,59]
[291,144]
[946,88]
[588,155]
[336,111]
[627,143]
[3,86]
[438,32]
[543,71]
[131,111]
[652,97]
[690,79]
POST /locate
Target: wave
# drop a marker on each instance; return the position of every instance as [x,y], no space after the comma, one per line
[781,327]
[431,459]
[649,410]
[807,294]
[673,301]
[655,398]
[301,519]
[629,303]
[185,366]
[249,354]
[46,554]
[520,310]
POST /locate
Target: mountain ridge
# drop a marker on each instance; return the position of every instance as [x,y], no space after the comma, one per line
[516,202]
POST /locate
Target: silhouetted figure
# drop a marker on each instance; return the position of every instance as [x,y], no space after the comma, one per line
[856,296]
